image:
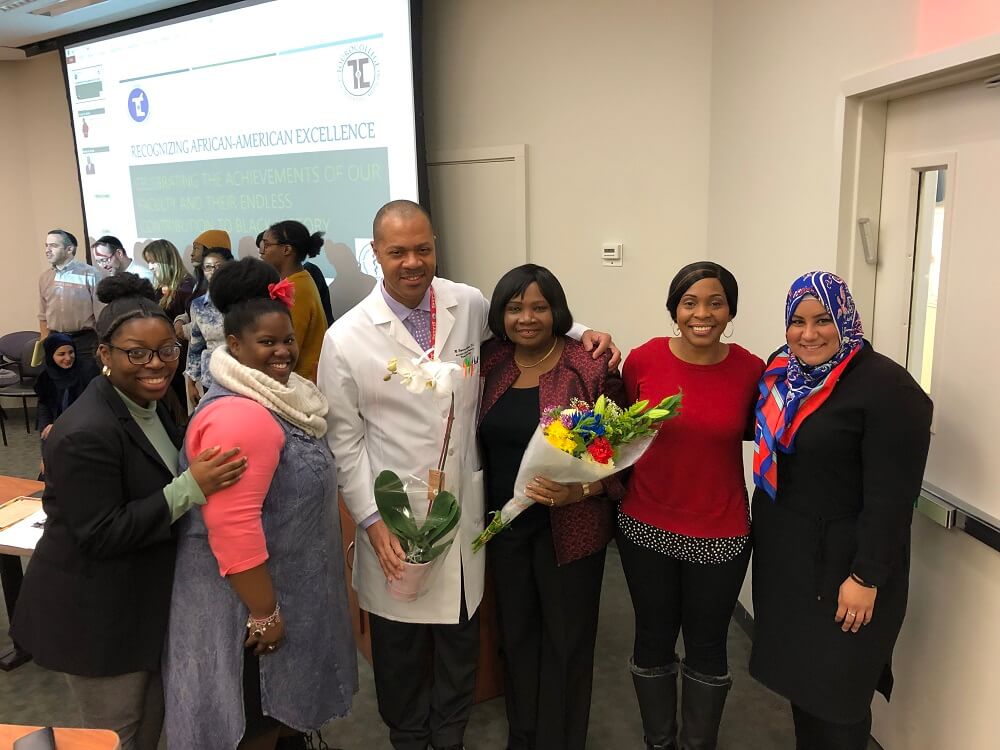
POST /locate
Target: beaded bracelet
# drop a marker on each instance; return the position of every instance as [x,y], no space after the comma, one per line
[860,581]
[258,626]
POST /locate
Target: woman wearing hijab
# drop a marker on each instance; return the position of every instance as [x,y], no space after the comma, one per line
[65,377]
[841,441]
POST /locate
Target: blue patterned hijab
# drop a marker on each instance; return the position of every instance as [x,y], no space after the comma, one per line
[831,291]
[787,384]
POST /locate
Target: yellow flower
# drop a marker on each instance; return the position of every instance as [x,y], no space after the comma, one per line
[557,435]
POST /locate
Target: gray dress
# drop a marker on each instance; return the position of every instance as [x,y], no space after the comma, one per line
[312,677]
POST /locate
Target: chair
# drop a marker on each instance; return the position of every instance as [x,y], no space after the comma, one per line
[25,388]
[12,346]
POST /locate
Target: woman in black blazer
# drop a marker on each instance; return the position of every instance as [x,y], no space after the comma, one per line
[842,439]
[96,596]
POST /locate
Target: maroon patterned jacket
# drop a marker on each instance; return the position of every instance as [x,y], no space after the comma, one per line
[583,528]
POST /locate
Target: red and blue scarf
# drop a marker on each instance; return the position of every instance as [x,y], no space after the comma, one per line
[789,390]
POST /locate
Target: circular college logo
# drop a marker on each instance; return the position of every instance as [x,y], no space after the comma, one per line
[358,71]
[138,105]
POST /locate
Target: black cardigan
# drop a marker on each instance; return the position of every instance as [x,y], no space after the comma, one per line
[96,595]
[844,504]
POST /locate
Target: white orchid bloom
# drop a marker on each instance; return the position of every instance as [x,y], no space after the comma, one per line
[439,376]
[422,374]
[411,375]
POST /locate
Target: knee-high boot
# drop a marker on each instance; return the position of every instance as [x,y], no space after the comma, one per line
[656,691]
[703,699]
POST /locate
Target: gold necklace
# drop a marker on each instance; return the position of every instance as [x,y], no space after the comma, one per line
[535,364]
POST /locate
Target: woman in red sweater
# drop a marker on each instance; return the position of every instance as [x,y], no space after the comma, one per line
[683,527]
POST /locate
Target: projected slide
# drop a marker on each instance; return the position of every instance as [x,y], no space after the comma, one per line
[292,109]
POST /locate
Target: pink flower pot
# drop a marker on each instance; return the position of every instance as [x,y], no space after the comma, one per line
[411,585]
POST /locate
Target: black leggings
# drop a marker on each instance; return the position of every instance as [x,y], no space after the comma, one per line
[670,595]
[813,733]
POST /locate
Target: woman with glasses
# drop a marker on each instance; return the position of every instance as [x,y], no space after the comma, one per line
[96,596]
[285,246]
[174,289]
[206,328]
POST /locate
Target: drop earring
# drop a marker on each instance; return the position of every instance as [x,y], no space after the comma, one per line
[731,330]
[106,371]
[675,328]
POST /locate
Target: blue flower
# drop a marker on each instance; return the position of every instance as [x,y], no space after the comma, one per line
[588,424]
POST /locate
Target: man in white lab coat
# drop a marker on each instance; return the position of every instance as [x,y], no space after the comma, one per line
[424,652]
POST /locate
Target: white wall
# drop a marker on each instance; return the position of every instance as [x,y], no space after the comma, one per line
[778,68]
[39,190]
[612,100]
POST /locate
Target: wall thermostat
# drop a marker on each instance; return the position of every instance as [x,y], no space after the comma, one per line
[611,253]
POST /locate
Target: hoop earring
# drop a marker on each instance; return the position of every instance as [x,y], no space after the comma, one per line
[106,371]
[731,330]
[675,328]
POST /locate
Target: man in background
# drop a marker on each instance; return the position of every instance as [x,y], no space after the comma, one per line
[67,294]
[110,257]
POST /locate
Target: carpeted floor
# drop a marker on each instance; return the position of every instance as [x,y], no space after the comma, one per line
[755,719]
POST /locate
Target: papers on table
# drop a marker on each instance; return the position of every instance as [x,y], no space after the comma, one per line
[24,534]
[17,509]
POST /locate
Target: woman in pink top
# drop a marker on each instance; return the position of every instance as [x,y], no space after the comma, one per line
[259,636]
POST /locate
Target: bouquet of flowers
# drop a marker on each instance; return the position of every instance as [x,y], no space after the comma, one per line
[581,443]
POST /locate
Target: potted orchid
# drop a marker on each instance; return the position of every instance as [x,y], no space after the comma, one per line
[424,535]
[423,540]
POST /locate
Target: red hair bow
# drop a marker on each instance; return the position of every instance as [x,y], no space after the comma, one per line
[283,291]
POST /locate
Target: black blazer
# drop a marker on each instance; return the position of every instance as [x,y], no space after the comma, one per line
[96,595]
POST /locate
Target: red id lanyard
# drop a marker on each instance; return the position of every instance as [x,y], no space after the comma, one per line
[434,323]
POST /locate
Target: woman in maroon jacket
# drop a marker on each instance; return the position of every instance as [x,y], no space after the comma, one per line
[684,524]
[548,566]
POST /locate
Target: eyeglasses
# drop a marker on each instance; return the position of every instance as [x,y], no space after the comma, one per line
[206,267]
[169,353]
[264,244]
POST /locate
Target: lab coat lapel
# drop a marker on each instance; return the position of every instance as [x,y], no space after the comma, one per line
[445,303]
[387,322]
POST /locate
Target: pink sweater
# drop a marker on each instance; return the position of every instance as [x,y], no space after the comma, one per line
[233,515]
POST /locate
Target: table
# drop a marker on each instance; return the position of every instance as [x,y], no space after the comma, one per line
[11,573]
[66,739]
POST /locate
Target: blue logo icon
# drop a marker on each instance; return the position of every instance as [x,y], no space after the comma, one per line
[138,105]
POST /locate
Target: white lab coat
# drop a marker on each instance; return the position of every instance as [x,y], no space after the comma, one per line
[376,425]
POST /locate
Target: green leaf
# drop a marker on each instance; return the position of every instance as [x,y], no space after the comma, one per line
[394,507]
[443,517]
[435,551]
[600,405]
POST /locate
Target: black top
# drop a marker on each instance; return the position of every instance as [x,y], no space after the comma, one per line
[96,596]
[844,504]
[504,434]
[322,288]
[53,400]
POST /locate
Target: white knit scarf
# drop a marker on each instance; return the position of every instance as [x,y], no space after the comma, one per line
[300,402]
